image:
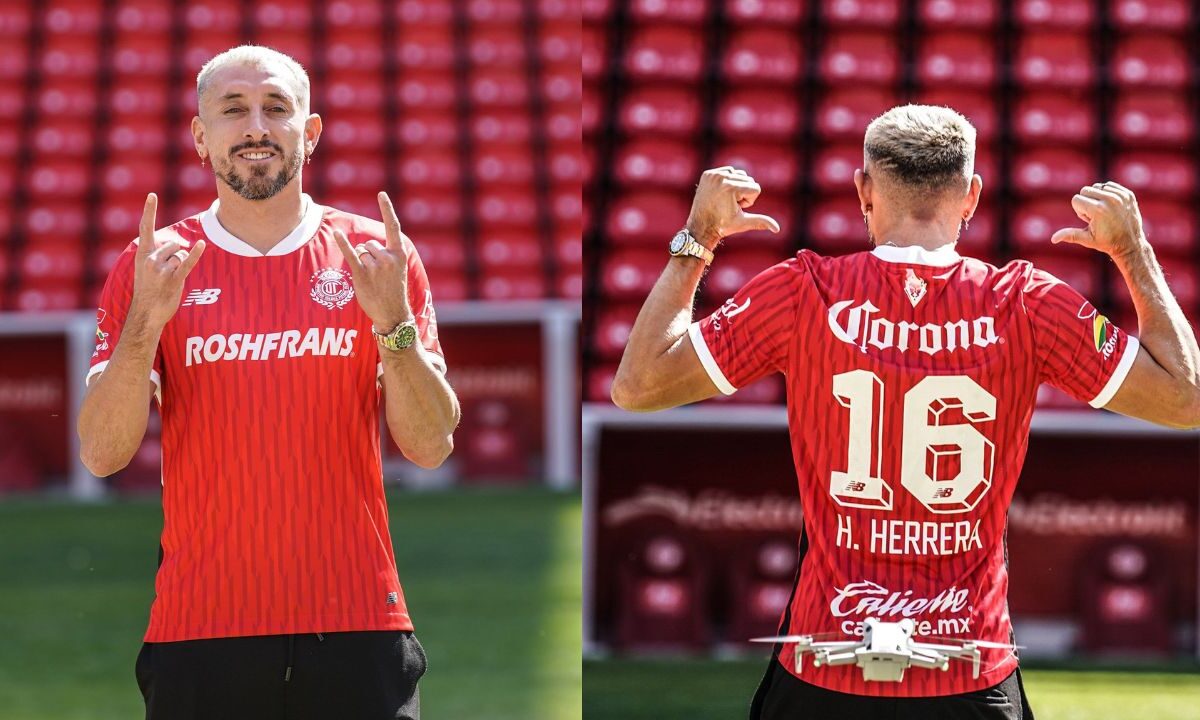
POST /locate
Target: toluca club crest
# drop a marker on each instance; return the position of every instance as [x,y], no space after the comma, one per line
[331,287]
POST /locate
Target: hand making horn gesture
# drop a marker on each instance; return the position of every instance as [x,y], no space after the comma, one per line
[718,209]
[1114,221]
[380,272]
[160,268]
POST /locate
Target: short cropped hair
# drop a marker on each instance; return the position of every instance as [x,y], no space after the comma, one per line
[256,56]
[925,148]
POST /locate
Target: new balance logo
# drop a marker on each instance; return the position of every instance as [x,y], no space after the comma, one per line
[207,296]
[393,598]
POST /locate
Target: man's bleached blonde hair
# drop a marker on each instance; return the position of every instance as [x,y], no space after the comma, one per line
[255,56]
[926,150]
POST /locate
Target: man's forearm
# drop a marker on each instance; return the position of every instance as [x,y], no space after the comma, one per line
[661,324]
[422,410]
[116,407]
[1162,327]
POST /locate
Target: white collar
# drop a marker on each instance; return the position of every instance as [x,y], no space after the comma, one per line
[225,240]
[944,256]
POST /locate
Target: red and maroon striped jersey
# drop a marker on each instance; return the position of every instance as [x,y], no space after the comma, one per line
[267,377]
[911,379]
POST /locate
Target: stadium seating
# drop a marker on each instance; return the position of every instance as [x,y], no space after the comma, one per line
[109,91]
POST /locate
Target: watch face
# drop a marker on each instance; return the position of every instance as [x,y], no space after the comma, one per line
[678,242]
[406,336]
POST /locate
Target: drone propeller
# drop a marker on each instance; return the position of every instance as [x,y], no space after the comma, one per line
[966,641]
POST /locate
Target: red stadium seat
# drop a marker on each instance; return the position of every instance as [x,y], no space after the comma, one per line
[138,96]
[760,589]
[58,179]
[64,138]
[137,136]
[833,168]
[1061,14]
[1152,118]
[612,329]
[774,167]
[738,265]
[504,12]
[659,110]
[73,17]
[423,12]
[354,13]
[433,208]
[1152,15]
[1054,171]
[504,163]
[512,285]
[779,206]
[70,55]
[566,163]
[1034,221]
[66,97]
[499,87]
[502,248]
[590,111]
[759,13]
[355,133]
[1155,174]
[957,14]
[560,83]
[142,54]
[430,166]
[506,125]
[1079,270]
[424,47]
[496,45]
[658,53]
[747,114]
[428,90]
[569,285]
[272,15]
[978,107]
[1150,61]
[58,295]
[650,12]
[562,122]
[119,223]
[980,235]
[16,19]
[356,170]
[1046,59]
[200,46]
[12,103]
[448,284]
[762,56]
[647,217]
[1053,118]
[134,175]
[426,127]
[438,250]
[596,10]
[353,49]
[568,243]
[560,42]
[507,206]
[860,57]
[845,114]
[1170,225]
[660,585]
[652,162]
[958,59]
[628,274]
[59,259]
[861,13]
[214,16]
[595,52]
[835,224]
[349,91]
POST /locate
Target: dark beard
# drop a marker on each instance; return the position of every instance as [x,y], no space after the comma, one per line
[259,186]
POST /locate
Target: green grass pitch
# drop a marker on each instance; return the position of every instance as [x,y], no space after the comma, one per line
[492,579]
[721,690]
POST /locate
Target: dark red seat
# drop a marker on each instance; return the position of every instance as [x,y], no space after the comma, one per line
[352,49]
[67,97]
[560,42]
[774,167]
[1152,118]
[431,166]
[595,52]
[979,238]
[658,110]
[438,249]
[861,13]
[559,83]
[363,133]
[58,179]
[835,224]
[426,127]
[761,585]
[513,125]
[504,163]
[664,53]
[73,17]
[1170,225]
[499,12]
[1035,220]
[1155,173]
[70,55]
[137,53]
[56,259]
[613,324]
[448,284]
[281,15]
[1152,15]
[844,114]
[759,114]
[957,59]
[1054,171]
[365,171]
[661,598]
[957,14]
[1060,14]
[512,284]
[138,96]
[500,87]
[504,248]
[759,13]
[497,45]
[762,56]
[833,168]
[424,12]
[219,15]
[16,19]
[134,175]
[426,47]
[64,138]
[860,57]
[1055,59]
[647,217]
[349,91]
[683,12]
[1150,61]
[440,208]
[977,106]
[596,11]
[507,206]
[354,13]
[567,163]
[200,45]
[653,162]
[57,295]
[1054,118]
[426,90]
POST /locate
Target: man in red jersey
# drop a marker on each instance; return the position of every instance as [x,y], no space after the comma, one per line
[271,329]
[911,373]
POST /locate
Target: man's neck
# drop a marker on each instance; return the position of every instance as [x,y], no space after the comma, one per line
[909,233]
[261,224]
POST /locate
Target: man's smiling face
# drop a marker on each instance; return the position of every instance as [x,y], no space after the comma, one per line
[255,128]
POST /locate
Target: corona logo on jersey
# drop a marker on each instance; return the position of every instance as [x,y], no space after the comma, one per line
[265,346]
[855,326]
[867,599]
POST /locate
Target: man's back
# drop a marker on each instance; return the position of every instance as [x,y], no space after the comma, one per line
[912,377]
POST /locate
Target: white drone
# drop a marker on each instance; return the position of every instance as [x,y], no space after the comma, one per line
[886,650]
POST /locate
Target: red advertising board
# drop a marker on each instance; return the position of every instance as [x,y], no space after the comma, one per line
[34,421]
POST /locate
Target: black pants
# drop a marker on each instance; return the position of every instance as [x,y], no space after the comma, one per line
[334,676]
[783,696]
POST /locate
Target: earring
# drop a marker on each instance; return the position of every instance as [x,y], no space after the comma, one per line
[202,159]
[966,224]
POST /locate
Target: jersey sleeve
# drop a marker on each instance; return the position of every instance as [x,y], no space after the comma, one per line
[420,299]
[110,319]
[749,336]
[1079,351]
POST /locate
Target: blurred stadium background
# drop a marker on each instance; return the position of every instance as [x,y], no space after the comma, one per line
[467,113]
[690,515]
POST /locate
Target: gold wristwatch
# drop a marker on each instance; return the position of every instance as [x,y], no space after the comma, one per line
[399,338]
[685,245]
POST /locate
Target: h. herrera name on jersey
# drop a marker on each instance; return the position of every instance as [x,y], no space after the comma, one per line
[855,326]
[264,346]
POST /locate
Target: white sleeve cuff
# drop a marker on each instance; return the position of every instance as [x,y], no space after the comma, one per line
[1114,382]
[707,360]
[154,378]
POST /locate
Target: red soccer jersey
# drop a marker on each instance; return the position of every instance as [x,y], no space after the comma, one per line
[275,519]
[911,379]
